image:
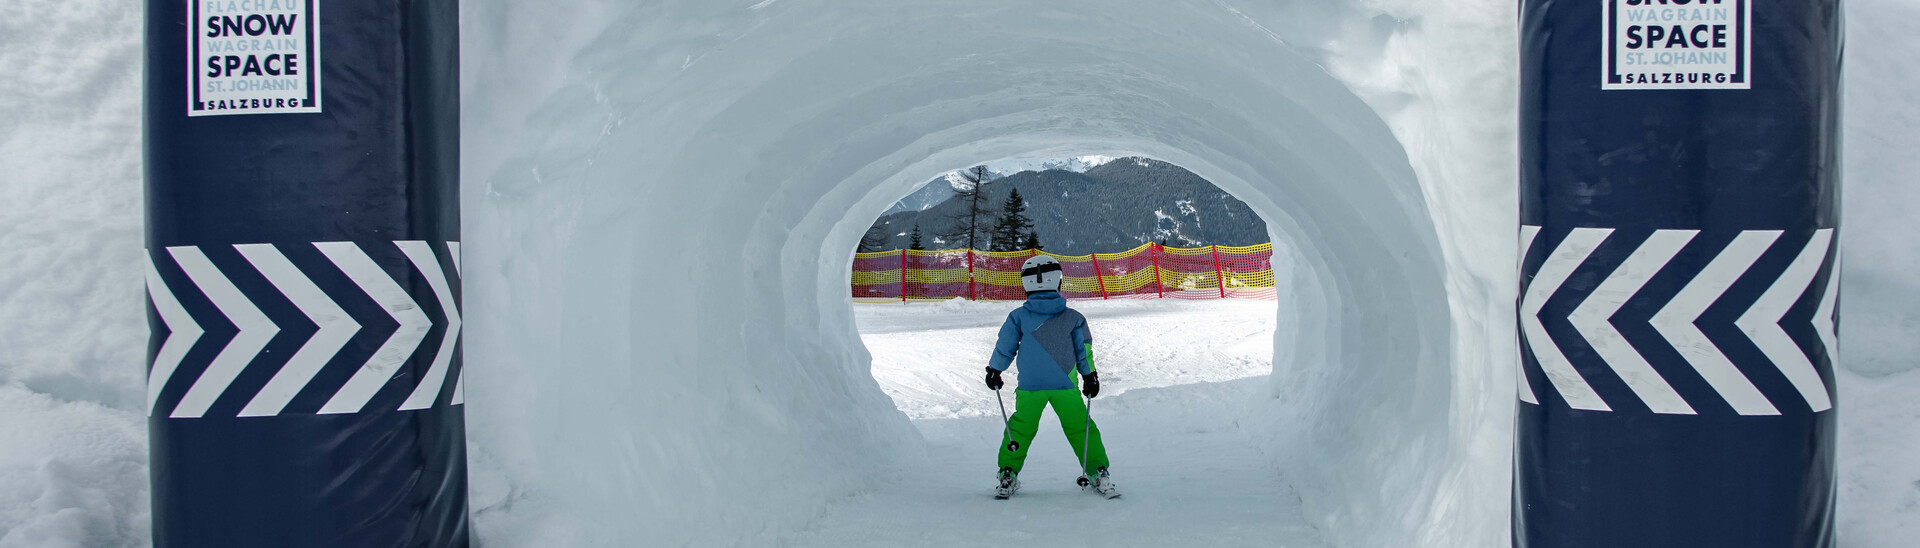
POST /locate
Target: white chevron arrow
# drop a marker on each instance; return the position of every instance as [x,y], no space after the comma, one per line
[1559,265]
[1675,321]
[459,384]
[460,387]
[255,330]
[381,366]
[1823,316]
[335,329]
[1527,235]
[453,252]
[182,332]
[423,259]
[1593,319]
[1761,322]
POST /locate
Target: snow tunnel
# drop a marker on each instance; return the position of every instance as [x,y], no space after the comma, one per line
[661,201]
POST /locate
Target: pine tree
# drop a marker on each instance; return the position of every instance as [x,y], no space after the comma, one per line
[913,240]
[967,224]
[1011,233]
[1033,241]
[874,240]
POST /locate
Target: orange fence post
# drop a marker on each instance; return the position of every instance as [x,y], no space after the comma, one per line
[1096,275]
[1153,253]
[1218,279]
[903,275]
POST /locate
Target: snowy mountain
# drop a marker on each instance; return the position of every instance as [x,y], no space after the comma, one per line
[1076,164]
[941,188]
[1108,207]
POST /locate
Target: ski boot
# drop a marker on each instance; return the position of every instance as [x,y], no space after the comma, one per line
[1103,484]
[1009,483]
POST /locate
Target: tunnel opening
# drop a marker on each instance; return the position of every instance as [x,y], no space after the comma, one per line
[1182,268]
[679,337]
[1181,355]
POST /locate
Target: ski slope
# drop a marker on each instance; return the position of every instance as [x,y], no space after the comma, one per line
[928,356]
[1176,379]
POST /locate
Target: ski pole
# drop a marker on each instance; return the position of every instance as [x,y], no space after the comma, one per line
[1012,446]
[1086,436]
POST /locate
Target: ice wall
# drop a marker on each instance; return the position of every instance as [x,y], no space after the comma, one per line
[1881,290]
[672,190]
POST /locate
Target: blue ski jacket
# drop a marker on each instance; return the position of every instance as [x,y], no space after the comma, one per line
[1051,341]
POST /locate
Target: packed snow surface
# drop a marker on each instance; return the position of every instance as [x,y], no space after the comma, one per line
[1177,378]
[929,357]
[661,199]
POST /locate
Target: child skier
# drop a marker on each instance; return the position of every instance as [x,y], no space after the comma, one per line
[1052,343]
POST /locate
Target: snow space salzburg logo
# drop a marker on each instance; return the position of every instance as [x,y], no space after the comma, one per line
[1676,44]
[253,57]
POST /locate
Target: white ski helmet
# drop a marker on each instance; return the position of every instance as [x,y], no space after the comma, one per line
[1040,273]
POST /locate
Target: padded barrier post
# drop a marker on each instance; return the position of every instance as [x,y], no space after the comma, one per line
[302,185]
[1679,202]
[1098,280]
[1219,276]
[1153,254]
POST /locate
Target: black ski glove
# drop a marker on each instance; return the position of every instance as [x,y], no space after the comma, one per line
[993,379]
[1090,384]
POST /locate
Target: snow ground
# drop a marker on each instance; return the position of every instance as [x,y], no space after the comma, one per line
[1179,378]
[1879,460]
[1189,475]
[1176,376]
[922,351]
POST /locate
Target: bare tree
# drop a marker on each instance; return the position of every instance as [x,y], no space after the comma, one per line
[968,223]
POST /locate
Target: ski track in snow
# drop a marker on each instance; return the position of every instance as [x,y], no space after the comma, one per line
[1174,376]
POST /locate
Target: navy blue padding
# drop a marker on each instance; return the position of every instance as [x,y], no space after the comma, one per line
[378,164]
[1638,161]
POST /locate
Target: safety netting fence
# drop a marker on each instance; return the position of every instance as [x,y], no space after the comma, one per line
[1149,271]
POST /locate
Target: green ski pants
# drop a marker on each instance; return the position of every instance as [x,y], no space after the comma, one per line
[1027,408]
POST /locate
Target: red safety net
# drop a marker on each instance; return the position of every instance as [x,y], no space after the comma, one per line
[1149,271]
